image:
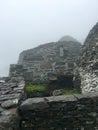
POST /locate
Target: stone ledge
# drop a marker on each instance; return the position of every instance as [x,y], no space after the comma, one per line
[43,103]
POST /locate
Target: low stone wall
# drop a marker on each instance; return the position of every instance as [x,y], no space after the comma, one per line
[67,112]
[10,96]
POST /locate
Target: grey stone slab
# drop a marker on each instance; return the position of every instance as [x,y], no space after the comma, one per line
[10,103]
[34,103]
[62,98]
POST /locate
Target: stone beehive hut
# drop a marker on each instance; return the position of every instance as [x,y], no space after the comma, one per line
[89,62]
[48,60]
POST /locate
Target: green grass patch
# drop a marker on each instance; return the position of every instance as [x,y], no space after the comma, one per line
[31,88]
[68,92]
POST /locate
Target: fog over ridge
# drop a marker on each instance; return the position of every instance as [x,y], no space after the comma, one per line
[25,24]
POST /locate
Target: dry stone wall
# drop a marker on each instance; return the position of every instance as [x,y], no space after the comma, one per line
[88,68]
[67,112]
[10,96]
[70,112]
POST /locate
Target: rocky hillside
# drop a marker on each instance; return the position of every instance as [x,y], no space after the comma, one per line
[52,58]
[89,62]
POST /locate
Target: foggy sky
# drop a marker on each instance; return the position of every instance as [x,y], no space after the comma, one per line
[25,24]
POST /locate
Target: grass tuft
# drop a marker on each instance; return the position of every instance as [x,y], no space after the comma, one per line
[68,92]
[31,88]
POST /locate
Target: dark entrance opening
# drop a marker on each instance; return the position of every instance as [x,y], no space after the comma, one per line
[62,81]
[65,81]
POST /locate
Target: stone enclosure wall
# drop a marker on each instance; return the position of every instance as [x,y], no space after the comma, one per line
[67,112]
[70,112]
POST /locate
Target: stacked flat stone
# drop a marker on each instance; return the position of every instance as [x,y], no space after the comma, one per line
[66,112]
[10,96]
